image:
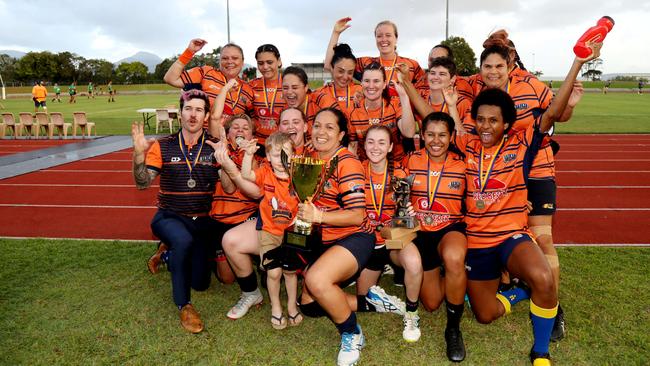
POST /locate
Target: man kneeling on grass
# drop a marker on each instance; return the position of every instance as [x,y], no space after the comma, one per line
[184,161]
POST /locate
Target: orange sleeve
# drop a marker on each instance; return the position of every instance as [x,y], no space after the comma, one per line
[153,159]
[194,75]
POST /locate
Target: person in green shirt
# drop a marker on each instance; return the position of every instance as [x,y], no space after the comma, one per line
[72,90]
[111,92]
[57,93]
[90,90]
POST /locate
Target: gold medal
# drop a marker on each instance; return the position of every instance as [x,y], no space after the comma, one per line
[480,204]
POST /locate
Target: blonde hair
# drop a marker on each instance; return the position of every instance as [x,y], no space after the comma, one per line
[234,117]
[278,139]
[387,22]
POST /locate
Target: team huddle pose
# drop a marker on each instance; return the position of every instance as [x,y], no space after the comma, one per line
[483,186]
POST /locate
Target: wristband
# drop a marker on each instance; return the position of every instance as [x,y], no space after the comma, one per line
[186,56]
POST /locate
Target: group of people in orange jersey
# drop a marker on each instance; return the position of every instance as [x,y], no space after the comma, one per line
[478,152]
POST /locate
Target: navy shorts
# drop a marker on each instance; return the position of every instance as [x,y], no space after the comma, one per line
[427,244]
[361,246]
[378,259]
[484,264]
[39,104]
[542,194]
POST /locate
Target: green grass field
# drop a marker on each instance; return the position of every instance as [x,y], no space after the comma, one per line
[596,113]
[83,302]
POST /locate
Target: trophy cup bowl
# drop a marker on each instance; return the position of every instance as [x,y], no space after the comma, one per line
[306,179]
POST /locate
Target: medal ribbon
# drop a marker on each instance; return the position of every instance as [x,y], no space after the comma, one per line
[436,185]
[266,96]
[444,107]
[392,69]
[381,118]
[483,181]
[181,144]
[236,101]
[347,95]
[374,195]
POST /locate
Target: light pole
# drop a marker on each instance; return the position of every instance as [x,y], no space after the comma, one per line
[228,18]
[534,62]
[447,20]
[4,96]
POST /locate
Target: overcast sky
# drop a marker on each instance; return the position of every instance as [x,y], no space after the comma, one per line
[543,30]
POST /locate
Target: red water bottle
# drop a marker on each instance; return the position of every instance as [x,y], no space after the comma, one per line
[594,34]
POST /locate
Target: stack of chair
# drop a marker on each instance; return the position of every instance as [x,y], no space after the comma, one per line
[79,120]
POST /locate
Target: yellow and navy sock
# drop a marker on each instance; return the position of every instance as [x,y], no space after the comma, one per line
[515,295]
[542,320]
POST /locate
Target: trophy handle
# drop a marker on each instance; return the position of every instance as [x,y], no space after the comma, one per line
[326,175]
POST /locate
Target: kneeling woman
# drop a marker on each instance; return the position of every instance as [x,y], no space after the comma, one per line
[348,239]
[436,196]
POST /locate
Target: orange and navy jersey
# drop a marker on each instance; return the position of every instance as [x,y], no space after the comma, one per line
[238,101]
[344,96]
[387,115]
[167,157]
[531,98]
[267,105]
[519,72]
[380,198]
[462,85]
[415,71]
[39,92]
[236,207]
[463,106]
[278,207]
[344,186]
[442,183]
[496,186]
[314,103]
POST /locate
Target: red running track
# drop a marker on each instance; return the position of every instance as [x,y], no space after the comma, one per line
[603,195]
[10,147]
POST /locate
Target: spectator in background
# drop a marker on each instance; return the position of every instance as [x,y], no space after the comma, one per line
[57,93]
[111,92]
[90,90]
[640,87]
[39,96]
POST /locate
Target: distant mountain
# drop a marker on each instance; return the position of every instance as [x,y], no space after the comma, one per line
[147,58]
[12,53]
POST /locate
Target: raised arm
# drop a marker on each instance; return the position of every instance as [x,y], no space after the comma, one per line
[576,95]
[450,93]
[554,111]
[406,124]
[232,174]
[173,75]
[141,174]
[215,126]
[420,105]
[247,168]
[339,27]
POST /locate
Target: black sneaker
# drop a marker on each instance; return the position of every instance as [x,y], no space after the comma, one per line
[455,345]
[539,359]
[558,326]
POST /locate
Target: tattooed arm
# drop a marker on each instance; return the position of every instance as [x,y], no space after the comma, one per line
[142,176]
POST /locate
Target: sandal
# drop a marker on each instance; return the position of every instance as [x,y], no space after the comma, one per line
[278,322]
[295,320]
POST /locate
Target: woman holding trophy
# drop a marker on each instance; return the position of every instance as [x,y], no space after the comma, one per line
[348,239]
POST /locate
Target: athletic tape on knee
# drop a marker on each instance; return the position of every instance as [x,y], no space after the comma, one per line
[540,230]
[553,261]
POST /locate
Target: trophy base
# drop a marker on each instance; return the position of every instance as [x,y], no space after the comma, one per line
[398,237]
[302,241]
[408,222]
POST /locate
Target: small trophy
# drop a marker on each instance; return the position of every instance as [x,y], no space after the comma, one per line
[404,225]
[307,176]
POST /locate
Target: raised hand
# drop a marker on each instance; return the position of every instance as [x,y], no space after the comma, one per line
[232,83]
[196,44]
[140,143]
[576,94]
[450,93]
[250,147]
[341,25]
[595,52]
[402,72]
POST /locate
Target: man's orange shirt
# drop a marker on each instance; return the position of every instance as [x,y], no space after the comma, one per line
[380,198]
[387,115]
[267,105]
[499,210]
[278,207]
[39,92]
[238,101]
[348,177]
[442,183]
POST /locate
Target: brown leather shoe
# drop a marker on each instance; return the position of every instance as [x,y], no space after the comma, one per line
[154,262]
[190,319]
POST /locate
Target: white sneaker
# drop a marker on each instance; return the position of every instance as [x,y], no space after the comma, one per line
[351,345]
[411,331]
[246,301]
[385,303]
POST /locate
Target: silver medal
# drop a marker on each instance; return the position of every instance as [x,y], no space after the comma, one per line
[191,183]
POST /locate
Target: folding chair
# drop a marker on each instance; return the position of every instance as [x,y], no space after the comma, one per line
[43,122]
[10,123]
[27,120]
[162,117]
[173,115]
[59,125]
[79,120]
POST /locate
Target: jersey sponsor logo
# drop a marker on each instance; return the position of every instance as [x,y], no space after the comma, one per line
[455,185]
[507,158]
[377,186]
[374,121]
[376,220]
[517,236]
[280,211]
[521,106]
[434,217]
[549,206]
[489,197]
[354,187]
[492,183]
[175,159]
